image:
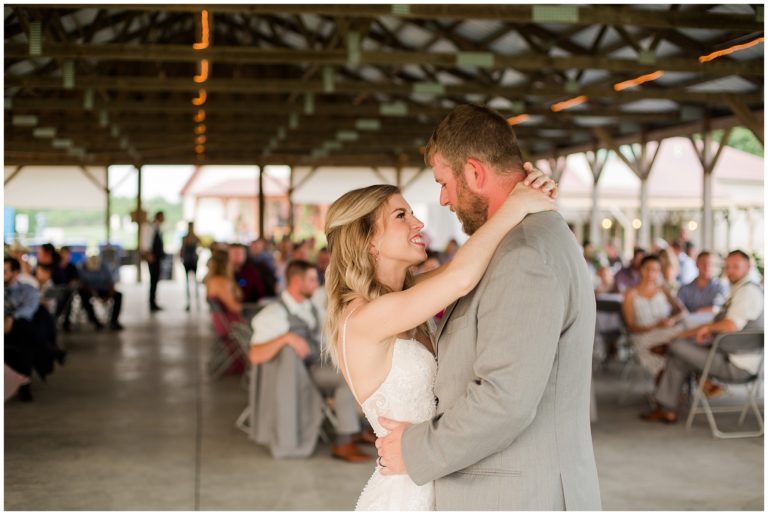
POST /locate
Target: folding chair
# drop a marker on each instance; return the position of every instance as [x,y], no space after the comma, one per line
[623,343]
[247,418]
[743,342]
[234,339]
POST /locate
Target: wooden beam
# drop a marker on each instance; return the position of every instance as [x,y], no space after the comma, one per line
[248,108]
[592,15]
[255,55]
[12,175]
[654,135]
[608,142]
[254,86]
[746,116]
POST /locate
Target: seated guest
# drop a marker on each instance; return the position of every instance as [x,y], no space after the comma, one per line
[629,276]
[670,268]
[612,254]
[21,304]
[293,321]
[47,255]
[247,275]
[48,293]
[70,272]
[687,271]
[431,263]
[605,280]
[96,280]
[743,310]
[62,277]
[705,292]
[221,286]
[450,250]
[20,253]
[322,261]
[651,313]
[260,254]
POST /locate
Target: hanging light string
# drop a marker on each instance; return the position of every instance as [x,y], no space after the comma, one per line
[201,78]
[631,83]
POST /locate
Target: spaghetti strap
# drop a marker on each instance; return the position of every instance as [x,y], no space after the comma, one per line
[344,354]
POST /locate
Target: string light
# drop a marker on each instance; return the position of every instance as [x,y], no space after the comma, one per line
[200,140]
[567,104]
[200,149]
[200,129]
[202,96]
[203,75]
[518,119]
[638,80]
[730,50]
[200,116]
[205,40]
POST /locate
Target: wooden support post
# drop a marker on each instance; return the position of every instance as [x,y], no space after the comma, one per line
[708,162]
[641,165]
[597,162]
[108,210]
[262,203]
[746,116]
[291,207]
[140,224]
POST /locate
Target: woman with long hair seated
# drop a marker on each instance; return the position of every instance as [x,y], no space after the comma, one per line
[221,286]
[652,315]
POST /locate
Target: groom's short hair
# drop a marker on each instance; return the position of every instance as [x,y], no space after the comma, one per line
[471,130]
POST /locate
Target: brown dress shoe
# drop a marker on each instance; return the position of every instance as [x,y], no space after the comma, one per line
[712,390]
[350,452]
[660,415]
[365,437]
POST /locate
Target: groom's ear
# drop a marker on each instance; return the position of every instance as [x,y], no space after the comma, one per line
[475,175]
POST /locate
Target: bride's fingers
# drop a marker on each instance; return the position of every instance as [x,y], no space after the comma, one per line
[532,177]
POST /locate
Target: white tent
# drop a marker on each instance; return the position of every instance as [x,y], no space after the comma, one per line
[55,187]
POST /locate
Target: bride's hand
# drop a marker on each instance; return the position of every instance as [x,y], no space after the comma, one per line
[527,199]
[537,179]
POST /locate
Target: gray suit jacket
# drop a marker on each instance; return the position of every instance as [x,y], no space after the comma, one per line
[513,383]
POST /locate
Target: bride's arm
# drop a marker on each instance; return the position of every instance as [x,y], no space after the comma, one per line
[535,179]
[404,310]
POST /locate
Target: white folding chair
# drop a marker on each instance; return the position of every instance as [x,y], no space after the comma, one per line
[743,342]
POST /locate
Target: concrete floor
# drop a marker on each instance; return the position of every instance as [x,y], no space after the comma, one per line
[131,422]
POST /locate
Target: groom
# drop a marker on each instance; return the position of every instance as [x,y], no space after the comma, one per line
[512,429]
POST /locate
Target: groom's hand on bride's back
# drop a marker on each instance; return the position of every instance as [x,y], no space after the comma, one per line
[390,455]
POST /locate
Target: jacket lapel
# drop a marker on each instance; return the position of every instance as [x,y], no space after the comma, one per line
[443,322]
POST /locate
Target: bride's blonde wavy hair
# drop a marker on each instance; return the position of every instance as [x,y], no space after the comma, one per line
[351,273]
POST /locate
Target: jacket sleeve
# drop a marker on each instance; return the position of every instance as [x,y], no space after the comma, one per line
[519,320]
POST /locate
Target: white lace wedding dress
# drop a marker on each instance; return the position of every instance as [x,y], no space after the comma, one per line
[405,395]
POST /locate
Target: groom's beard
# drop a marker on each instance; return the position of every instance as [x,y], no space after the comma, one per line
[472,209]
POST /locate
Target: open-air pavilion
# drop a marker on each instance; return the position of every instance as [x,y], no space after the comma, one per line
[334,92]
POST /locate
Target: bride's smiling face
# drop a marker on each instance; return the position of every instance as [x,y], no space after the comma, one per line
[398,234]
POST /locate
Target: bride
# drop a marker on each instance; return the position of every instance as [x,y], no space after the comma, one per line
[378,314]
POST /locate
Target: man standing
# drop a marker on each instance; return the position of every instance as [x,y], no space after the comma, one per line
[512,430]
[154,253]
[687,355]
[293,320]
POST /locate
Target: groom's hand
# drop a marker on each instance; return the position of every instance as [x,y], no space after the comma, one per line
[390,456]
